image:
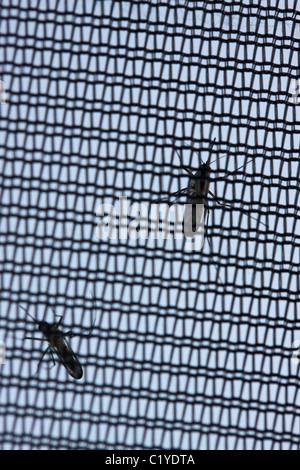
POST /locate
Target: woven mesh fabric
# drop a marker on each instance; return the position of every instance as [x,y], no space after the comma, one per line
[189,350]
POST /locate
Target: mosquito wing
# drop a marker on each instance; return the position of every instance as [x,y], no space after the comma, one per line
[68,358]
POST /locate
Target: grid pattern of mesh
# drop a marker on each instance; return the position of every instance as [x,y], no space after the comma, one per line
[189,350]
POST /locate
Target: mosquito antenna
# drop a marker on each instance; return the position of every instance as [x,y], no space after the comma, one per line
[219,158]
[234,171]
[210,149]
[32,318]
[93,324]
[242,210]
[242,166]
[181,161]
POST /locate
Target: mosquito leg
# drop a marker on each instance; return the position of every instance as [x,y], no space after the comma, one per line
[59,322]
[242,210]
[210,247]
[69,334]
[36,339]
[178,194]
[167,199]
[164,199]
[181,191]
[60,318]
[184,167]
[181,161]
[42,357]
[52,358]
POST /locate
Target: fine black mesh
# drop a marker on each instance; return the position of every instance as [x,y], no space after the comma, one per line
[189,350]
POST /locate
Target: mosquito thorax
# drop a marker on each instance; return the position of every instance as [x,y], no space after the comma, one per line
[203,172]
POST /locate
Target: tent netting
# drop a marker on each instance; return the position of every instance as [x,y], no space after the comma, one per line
[189,349]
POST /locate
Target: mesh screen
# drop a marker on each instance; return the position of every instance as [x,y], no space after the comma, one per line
[189,349]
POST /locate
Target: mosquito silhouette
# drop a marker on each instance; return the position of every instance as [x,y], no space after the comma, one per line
[198,190]
[58,344]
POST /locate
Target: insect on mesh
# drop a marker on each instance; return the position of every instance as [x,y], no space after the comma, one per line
[189,349]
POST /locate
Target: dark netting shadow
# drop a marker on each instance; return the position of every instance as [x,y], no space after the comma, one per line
[190,349]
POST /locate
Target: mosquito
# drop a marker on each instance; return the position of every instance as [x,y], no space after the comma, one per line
[197,190]
[58,344]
